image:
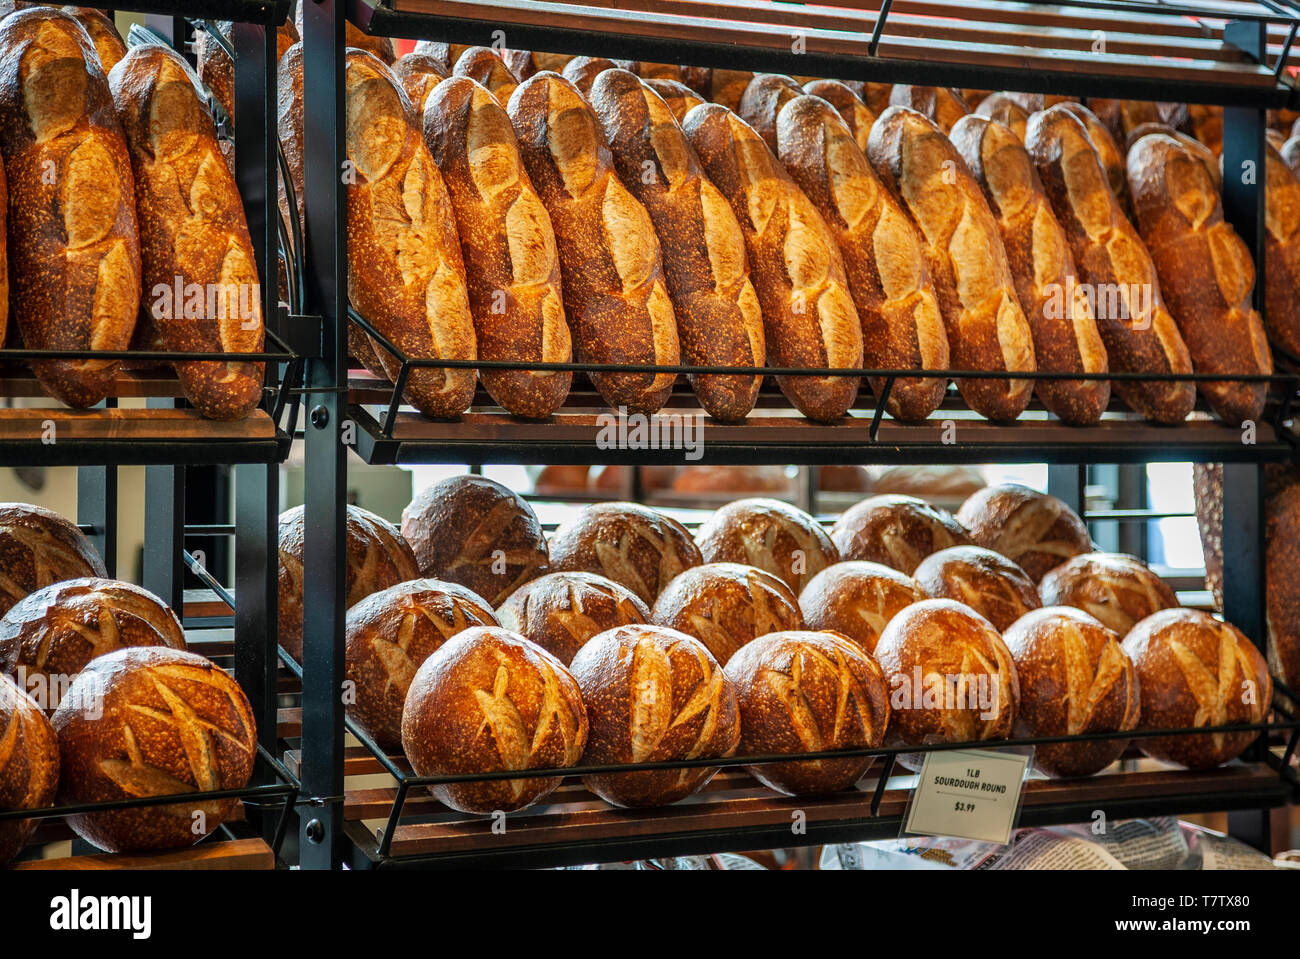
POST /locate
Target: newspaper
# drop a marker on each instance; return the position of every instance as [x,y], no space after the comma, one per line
[1215,851]
[1046,849]
[1156,843]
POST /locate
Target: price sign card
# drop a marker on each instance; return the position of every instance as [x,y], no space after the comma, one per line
[968,794]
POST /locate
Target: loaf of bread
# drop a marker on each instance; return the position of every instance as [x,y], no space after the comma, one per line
[987,329]
[615,297]
[419,73]
[488,701]
[1116,589]
[1197,671]
[968,687]
[938,483]
[405,272]
[719,322]
[103,34]
[165,721]
[506,235]
[1206,272]
[485,67]
[1065,333]
[653,694]
[680,98]
[1121,116]
[795,264]
[973,97]
[986,581]
[29,765]
[656,71]
[1206,124]
[943,106]
[631,544]
[1282,564]
[857,116]
[74,250]
[561,611]
[389,635]
[896,531]
[1193,145]
[857,600]
[804,691]
[875,95]
[895,298]
[726,605]
[377,557]
[1075,678]
[190,249]
[844,478]
[1034,530]
[762,101]
[1005,109]
[38,547]
[717,85]
[770,534]
[1281,252]
[524,63]
[1109,152]
[216,69]
[732,479]
[446,53]
[1139,334]
[354,37]
[582,71]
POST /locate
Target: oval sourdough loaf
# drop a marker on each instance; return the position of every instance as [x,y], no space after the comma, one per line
[726,605]
[561,611]
[29,765]
[39,547]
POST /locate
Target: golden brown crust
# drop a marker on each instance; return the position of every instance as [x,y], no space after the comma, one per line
[762,101]
[582,71]
[165,721]
[561,611]
[726,605]
[389,635]
[1282,559]
[1197,671]
[420,73]
[524,63]
[29,765]
[1116,589]
[857,116]
[857,599]
[680,98]
[1121,116]
[875,95]
[214,65]
[896,531]
[631,544]
[1066,339]
[653,694]
[895,298]
[614,291]
[805,691]
[1282,251]
[1206,124]
[485,67]
[1108,152]
[39,547]
[1034,530]
[1206,272]
[73,243]
[103,34]
[770,534]
[1075,678]
[194,239]
[488,700]
[986,581]
[986,326]
[1007,110]
[726,87]
[943,106]
[719,322]
[656,71]
[795,264]
[446,53]
[1139,334]
[507,241]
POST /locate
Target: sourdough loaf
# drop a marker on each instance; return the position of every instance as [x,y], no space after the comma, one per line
[857,599]
[986,581]
[896,531]
[770,534]
[39,547]
[561,611]
[726,605]
[1034,530]
[29,765]
[1116,589]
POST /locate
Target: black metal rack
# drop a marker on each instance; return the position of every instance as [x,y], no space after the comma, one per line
[1217,52]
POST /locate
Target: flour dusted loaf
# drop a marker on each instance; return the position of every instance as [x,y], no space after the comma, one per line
[485,67]
[508,243]
[680,98]
[986,581]
[762,101]
[1034,530]
[524,63]
[1118,590]
[420,74]
[857,116]
[103,33]
[73,245]
[561,611]
[615,297]
[857,599]
[1005,109]
[943,106]
[166,722]
[490,701]
[653,694]
[805,691]
[896,531]
[726,605]
[769,534]
[29,765]
[39,547]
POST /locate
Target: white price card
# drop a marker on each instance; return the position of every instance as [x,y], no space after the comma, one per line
[968,794]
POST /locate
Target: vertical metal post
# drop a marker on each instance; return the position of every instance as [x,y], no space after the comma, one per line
[326,482]
[97,507]
[164,525]
[1066,481]
[1244,158]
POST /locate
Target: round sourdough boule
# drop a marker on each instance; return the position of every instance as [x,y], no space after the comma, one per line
[1075,678]
[986,581]
[1197,671]
[388,636]
[490,701]
[803,691]
[725,605]
[896,531]
[51,634]
[377,557]
[476,532]
[1117,589]
[561,611]
[653,695]
[39,547]
[1034,530]
[153,721]
[769,534]
[951,678]
[29,765]
[631,544]
[857,599]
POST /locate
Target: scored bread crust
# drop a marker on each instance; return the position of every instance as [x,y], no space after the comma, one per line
[507,239]
[680,98]
[405,271]
[39,547]
[614,291]
[896,531]
[795,264]
[1108,152]
[719,321]
[485,67]
[986,581]
[1034,530]
[1205,270]
[74,249]
[446,53]
[770,534]
[29,765]
[216,69]
[987,329]
[762,101]
[857,599]
[896,302]
[1116,589]
[942,106]
[561,611]
[1007,110]
[1066,339]
[582,71]
[420,74]
[1282,250]
[524,63]
[1141,337]
[857,116]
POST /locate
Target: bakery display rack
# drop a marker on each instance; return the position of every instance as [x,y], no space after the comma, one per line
[368,809]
